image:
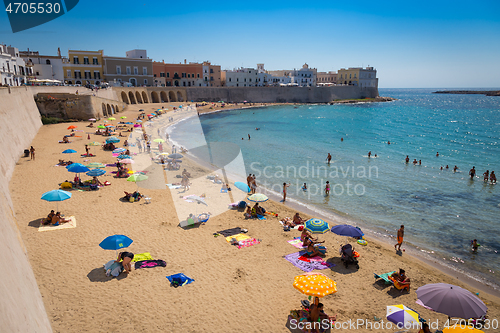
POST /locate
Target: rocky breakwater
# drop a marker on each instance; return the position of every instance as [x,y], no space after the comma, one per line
[470,92]
[363,100]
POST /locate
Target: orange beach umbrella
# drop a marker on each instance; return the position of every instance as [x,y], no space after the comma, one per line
[315,284]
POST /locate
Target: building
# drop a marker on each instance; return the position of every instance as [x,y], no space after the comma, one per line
[186,74]
[304,77]
[358,76]
[326,78]
[135,68]
[83,67]
[12,66]
[43,67]
[242,77]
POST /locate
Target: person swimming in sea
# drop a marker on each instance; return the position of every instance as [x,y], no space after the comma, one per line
[493,178]
[474,245]
[304,187]
[327,188]
[486,175]
[407,160]
[369,154]
[415,161]
[455,169]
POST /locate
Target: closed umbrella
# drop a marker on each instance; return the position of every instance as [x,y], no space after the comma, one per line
[95,173]
[242,186]
[403,316]
[314,284]
[347,230]
[56,195]
[258,197]
[316,226]
[451,300]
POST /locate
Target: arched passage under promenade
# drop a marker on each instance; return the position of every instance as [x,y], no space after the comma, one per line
[124,97]
[131,97]
[154,97]
[179,97]
[117,108]
[138,97]
[104,112]
[164,97]
[144,97]
[109,110]
[171,96]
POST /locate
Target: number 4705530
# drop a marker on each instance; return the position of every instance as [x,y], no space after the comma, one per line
[33,8]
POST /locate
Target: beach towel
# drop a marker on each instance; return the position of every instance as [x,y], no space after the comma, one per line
[223,190]
[238,237]
[174,186]
[247,242]
[230,232]
[142,256]
[179,279]
[311,259]
[261,217]
[150,264]
[113,268]
[67,225]
[306,266]
[385,277]
[297,243]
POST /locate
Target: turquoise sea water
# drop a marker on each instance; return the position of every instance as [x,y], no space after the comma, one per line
[441,210]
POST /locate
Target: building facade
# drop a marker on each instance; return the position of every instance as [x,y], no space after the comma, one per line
[186,74]
[212,76]
[12,66]
[83,67]
[304,77]
[326,78]
[358,76]
[242,77]
[135,69]
[43,67]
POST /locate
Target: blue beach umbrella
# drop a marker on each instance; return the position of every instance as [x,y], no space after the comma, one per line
[115,242]
[112,140]
[121,157]
[347,230]
[69,151]
[77,168]
[56,195]
[119,150]
[95,173]
[242,186]
[316,226]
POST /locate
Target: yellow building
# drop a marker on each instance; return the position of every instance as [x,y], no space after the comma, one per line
[83,67]
[358,76]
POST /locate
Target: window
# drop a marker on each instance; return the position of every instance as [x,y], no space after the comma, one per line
[350,75]
[78,75]
[354,75]
[95,61]
[245,79]
[229,79]
[76,60]
[154,75]
[237,79]
[183,74]
[128,70]
[198,76]
[250,80]
[184,83]
[85,60]
[145,80]
[189,75]
[211,78]
[136,70]
[47,62]
[206,78]
[211,70]
[87,75]
[162,74]
[118,70]
[97,75]
[168,74]
[144,71]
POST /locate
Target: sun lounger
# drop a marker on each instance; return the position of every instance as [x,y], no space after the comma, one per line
[385,277]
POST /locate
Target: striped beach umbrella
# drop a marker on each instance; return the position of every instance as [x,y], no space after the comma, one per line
[314,284]
[316,226]
[119,150]
[123,156]
[403,316]
[95,173]
[95,165]
[258,197]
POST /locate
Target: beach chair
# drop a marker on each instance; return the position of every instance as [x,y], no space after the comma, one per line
[385,277]
[147,200]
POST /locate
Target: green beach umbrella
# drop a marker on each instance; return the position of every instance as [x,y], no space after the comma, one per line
[95,165]
[123,117]
[111,118]
[159,140]
[101,127]
[137,178]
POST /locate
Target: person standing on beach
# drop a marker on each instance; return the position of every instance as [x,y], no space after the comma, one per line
[329,158]
[249,180]
[253,185]
[401,233]
[32,153]
[472,172]
[285,186]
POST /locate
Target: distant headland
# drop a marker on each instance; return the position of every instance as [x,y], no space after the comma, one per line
[483,92]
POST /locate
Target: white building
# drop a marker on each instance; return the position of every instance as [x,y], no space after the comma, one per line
[43,67]
[304,77]
[136,54]
[242,77]
[12,66]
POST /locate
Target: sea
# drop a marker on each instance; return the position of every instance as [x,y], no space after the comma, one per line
[442,210]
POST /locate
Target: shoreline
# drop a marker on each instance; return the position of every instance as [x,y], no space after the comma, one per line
[477,281]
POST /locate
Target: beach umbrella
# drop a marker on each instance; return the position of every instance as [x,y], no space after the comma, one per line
[457,328]
[72,126]
[123,117]
[69,151]
[123,156]
[119,150]
[115,242]
[314,284]
[95,165]
[101,126]
[56,195]
[347,230]
[95,173]
[127,161]
[141,109]
[77,168]
[242,186]
[137,125]
[111,118]
[92,119]
[403,316]
[95,143]
[451,300]
[159,140]
[316,226]
[137,178]
[112,140]
[138,121]
[258,197]
[175,155]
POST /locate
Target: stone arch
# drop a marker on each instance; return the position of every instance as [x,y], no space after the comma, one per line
[179,97]
[117,109]
[132,98]
[124,97]
[144,97]
[154,97]
[109,110]
[112,109]
[164,97]
[138,97]
[171,96]
[104,113]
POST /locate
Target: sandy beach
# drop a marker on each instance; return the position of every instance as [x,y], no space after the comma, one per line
[245,290]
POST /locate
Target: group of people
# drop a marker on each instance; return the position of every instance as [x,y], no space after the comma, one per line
[255,211]
[122,171]
[54,219]
[252,183]
[487,175]
[312,244]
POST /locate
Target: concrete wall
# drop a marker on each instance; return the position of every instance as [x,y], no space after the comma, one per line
[279,94]
[21,305]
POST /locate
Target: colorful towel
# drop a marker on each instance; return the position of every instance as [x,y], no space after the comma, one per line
[230,232]
[311,259]
[297,243]
[180,279]
[247,243]
[142,256]
[150,264]
[385,277]
[306,266]
[223,190]
[261,217]
[239,237]
[67,225]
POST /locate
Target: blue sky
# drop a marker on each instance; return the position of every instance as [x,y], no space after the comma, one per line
[412,44]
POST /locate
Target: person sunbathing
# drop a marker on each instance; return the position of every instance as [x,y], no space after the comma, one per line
[400,280]
[313,250]
[287,223]
[57,219]
[306,235]
[95,181]
[65,139]
[90,125]
[136,195]
[297,219]
[248,213]
[48,220]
